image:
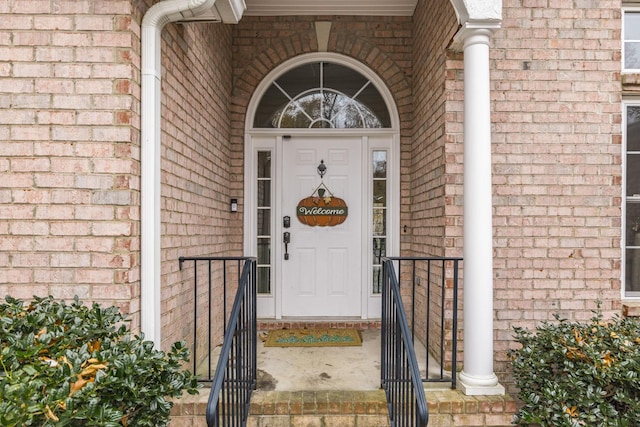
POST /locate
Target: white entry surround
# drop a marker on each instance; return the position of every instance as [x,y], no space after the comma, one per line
[361,144]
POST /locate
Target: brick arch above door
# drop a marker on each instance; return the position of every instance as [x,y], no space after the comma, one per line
[260,58]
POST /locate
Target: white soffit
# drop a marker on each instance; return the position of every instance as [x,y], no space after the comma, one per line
[330,7]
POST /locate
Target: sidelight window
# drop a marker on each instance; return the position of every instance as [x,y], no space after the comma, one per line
[264,207]
[379,216]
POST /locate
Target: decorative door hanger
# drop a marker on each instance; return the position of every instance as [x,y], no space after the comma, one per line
[322,208]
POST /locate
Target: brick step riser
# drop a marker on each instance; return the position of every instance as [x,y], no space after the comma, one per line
[318,421]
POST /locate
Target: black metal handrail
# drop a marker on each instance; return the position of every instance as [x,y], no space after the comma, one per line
[441,275]
[234,378]
[400,374]
[235,375]
[214,279]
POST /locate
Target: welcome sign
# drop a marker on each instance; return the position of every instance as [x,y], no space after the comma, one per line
[322,211]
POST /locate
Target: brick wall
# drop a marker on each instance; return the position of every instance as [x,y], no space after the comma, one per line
[433,145]
[69,193]
[435,209]
[69,170]
[196,170]
[556,155]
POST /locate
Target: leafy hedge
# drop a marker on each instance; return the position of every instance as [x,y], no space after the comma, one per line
[72,365]
[579,374]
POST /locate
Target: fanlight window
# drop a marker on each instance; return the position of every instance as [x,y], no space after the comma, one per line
[322,95]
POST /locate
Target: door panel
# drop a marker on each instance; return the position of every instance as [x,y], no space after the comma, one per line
[323,275]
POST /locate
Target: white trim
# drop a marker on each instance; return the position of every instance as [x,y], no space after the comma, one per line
[331,7]
[392,135]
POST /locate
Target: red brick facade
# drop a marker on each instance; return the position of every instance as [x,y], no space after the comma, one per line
[557,163]
[70,152]
[69,105]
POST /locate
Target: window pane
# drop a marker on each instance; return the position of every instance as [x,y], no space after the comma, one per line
[379,164]
[264,194]
[379,222]
[311,104]
[379,193]
[264,222]
[631,55]
[379,250]
[264,280]
[293,117]
[300,79]
[633,174]
[377,280]
[273,100]
[264,251]
[632,25]
[374,101]
[632,273]
[633,129]
[348,117]
[343,79]
[264,164]
[633,222]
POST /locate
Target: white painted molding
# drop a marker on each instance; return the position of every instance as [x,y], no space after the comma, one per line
[323,30]
[477,10]
[470,29]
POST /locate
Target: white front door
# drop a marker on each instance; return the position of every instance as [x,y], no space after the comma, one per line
[322,271]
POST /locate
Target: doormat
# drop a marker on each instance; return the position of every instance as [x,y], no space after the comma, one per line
[313,338]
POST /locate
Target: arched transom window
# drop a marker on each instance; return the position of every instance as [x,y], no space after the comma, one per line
[322,95]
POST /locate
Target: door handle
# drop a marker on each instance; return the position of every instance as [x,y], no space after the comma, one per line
[286,239]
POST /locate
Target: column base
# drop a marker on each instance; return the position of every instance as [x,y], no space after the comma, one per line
[476,386]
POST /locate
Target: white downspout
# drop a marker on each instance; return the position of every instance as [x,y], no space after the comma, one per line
[153,22]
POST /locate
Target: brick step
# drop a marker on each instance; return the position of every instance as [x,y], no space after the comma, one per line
[318,409]
[452,408]
[351,409]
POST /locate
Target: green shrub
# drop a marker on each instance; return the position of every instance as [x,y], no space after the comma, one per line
[72,365]
[579,374]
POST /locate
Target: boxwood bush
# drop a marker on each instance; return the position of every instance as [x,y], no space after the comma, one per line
[579,374]
[72,365]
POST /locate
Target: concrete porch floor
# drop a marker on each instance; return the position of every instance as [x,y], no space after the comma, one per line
[327,368]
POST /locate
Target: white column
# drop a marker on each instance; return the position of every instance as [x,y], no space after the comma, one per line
[477,376]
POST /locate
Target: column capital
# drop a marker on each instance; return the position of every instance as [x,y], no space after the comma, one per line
[474,32]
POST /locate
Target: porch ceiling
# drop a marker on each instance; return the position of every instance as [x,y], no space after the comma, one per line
[330,7]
